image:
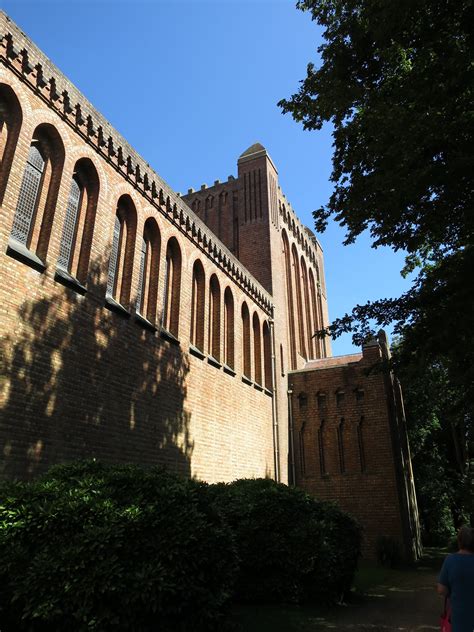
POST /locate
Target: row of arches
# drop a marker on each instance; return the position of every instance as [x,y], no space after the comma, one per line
[305,308]
[159,281]
[255,337]
[347,439]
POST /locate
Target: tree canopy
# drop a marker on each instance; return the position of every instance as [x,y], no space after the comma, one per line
[396,82]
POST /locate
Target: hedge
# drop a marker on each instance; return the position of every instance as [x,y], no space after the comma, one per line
[91,547]
[292,548]
[99,548]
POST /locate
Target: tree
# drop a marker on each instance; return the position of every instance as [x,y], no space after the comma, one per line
[396,81]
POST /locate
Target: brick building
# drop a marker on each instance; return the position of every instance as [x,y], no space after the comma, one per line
[140,325]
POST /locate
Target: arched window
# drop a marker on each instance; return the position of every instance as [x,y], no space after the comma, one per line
[360,441]
[39,191]
[121,257]
[299,302]
[302,449]
[76,240]
[321,448]
[340,445]
[229,328]
[215,318]
[307,309]
[197,306]
[149,268]
[246,341]
[267,356]
[289,295]
[314,312]
[320,312]
[257,349]
[10,124]
[170,318]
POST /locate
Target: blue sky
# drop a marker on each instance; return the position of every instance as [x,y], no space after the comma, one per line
[192,84]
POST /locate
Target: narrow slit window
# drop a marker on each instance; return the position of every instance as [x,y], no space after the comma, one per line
[340,445]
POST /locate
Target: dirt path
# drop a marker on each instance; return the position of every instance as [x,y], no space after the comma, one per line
[401,601]
[385,600]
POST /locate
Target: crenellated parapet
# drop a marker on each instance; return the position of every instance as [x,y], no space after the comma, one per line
[37,72]
[301,233]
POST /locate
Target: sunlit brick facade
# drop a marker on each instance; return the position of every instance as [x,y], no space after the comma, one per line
[143,326]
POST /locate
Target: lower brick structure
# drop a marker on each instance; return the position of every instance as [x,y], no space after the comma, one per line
[139,325]
[350,443]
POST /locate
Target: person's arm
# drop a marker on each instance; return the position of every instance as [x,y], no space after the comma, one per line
[442,586]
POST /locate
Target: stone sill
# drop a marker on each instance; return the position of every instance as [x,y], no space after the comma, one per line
[229,370]
[168,336]
[247,380]
[20,252]
[62,276]
[258,387]
[213,362]
[144,322]
[116,307]
[196,352]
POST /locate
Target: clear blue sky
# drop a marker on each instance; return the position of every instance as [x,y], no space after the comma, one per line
[191,85]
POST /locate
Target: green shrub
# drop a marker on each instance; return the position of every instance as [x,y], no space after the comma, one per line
[91,547]
[292,548]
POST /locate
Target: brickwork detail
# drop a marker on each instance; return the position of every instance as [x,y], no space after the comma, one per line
[145,326]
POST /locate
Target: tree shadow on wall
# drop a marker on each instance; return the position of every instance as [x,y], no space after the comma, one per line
[80,381]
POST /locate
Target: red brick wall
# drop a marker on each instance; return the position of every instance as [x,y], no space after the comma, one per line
[80,379]
[355,464]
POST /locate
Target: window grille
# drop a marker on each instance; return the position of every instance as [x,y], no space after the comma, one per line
[142,277]
[360,440]
[27,200]
[70,226]
[113,264]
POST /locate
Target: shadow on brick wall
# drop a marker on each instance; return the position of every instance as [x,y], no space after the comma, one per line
[80,381]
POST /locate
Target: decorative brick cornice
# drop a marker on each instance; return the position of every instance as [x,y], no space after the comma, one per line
[18,53]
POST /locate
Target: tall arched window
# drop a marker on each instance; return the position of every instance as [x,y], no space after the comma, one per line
[267,356]
[39,191]
[302,449]
[215,318]
[321,448]
[299,303]
[360,441]
[340,445]
[121,257]
[314,312]
[76,240]
[307,309]
[320,312]
[198,306]
[149,269]
[257,349]
[10,123]
[170,318]
[247,371]
[228,328]
[289,295]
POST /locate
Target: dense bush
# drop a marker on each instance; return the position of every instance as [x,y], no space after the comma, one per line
[291,547]
[90,547]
